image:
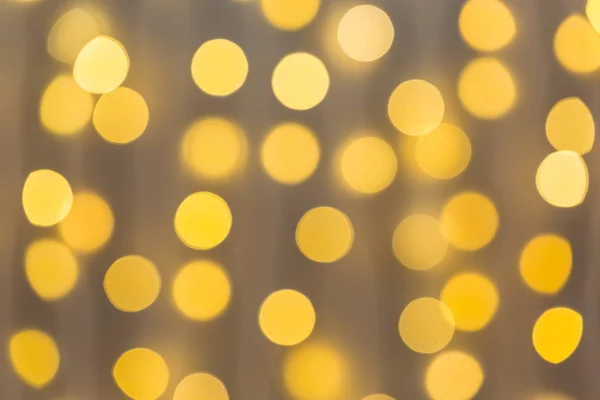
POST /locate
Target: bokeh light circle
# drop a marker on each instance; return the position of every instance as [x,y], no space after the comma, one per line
[365,33]
[286,317]
[557,333]
[70,33]
[545,263]
[570,126]
[486,25]
[324,234]
[121,115]
[200,386]
[416,107]
[101,65]
[444,152]
[426,325]
[453,375]
[219,67]
[141,374]
[51,269]
[562,179]
[34,357]
[132,283]
[47,197]
[289,15]
[418,242]
[577,45]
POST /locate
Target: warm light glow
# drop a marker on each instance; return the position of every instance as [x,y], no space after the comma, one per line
[487,89]
[426,325]
[324,234]
[132,283]
[202,290]
[89,224]
[570,126]
[453,375]
[290,15]
[121,116]
[101,65]
[562,179]
[472,299]
[592,10]
[141,374]
[290,153]
[469,220]
[365,33]
[51,269]
[550,396]
[203,220]
[486,25]
[416,107]
[577,45]
[444,152]
[65,108]
[214,148]
[70,33]
[556,334]
[378,397]
[546,263]
[200,386]
[286,317]
[418,242]
[47,197]
[368,164]
[314,371]
[219,67]
[34,357]
[300,80]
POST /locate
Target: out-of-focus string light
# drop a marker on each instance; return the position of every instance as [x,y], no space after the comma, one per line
[577,45]
[289,15]
[453,375]
[47,197]
[487,88]
[51,269]
[34,357]
[557,333]
[70,33]
[473,300]
[416,107]
[132,283]
[219,67]
[570,126]
[200,386]
[300,81]
[486,25]
[418,242]
[365,33]
[562,179]
[324,234]
[286,317]
[121,116]
[141,374]
[546,262]
[426,325]
[101,65]
[592,10]
[444,152]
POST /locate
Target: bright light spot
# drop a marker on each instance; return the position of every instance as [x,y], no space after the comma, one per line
[65,108]
[290,15]
[203,220]
[200,386]
[426,325]
[444,152]
[570,126]
[562,179]
[473,300]
[132,283]
[407,158]
[314,371]
[219,67]
[47,197]
[368,164]
[89,224]
[290,153]
[214,148]
[556,334]
[70,33]
[286,317]
[551,396]
[486,25]
[365,33]
[202,290]
[577,45]
[416,107]
[51,269]
[469,220]
[418,242]
[487,89]
[34,357]
[546,263]
[102,65]
[378,397]
[121,116]
[324,234]
[592,10]
[453,375]
[141,374]
[300,81]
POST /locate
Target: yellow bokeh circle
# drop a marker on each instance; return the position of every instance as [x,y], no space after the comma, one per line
[577,45]
[592,11]
[141,374]
[70,33]
[378,396]
[202,290]
[486,25]
[570,126]
[300,81]
[121,115]
[416,107]
[418,242]
[51,269]
[200,386]
[289,15]
[34,357]
[546,262]
[557,333]
[426,325]
[101,65]
[219,67]
[444,152]
[47,197]
[562,179]
[365,33]
[367,164]
[286,317]
[453,375]
[132,283]
[324,234]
